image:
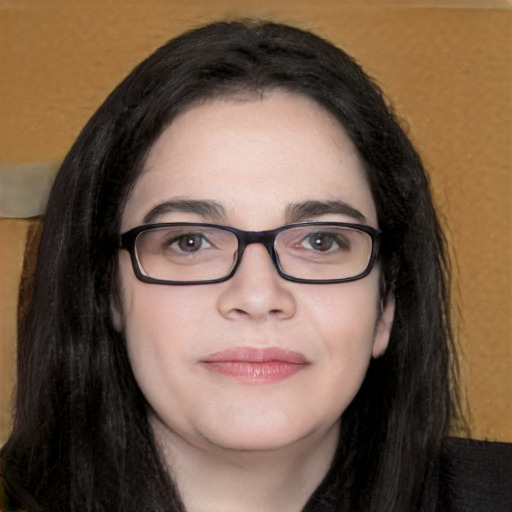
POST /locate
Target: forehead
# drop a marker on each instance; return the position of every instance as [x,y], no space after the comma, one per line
[254,156]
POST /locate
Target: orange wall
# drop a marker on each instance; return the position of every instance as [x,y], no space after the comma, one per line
[446,67]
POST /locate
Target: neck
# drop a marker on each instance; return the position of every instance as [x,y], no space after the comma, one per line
[211,478]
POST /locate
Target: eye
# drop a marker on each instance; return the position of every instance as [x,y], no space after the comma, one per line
[190,242]
[323,242]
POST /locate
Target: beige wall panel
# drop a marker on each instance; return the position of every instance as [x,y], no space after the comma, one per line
[12,245]
[446,67]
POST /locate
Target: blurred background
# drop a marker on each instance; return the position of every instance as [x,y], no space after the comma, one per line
[446,67]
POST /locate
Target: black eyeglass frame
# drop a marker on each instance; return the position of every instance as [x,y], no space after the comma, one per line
[245,238]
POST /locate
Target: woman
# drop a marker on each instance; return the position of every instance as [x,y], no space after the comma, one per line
[241,297]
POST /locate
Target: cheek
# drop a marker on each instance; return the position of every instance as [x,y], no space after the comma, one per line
[157,322]
[151,309]
[161,319]
[345,321]
[345,313]
[161,335]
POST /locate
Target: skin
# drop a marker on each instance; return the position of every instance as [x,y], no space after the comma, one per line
[234,445]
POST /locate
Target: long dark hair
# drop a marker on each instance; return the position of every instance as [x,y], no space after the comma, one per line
[81,439]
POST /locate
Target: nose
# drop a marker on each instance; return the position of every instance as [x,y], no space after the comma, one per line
[256,291]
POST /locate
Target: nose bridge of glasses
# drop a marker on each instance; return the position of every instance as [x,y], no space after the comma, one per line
[265,238]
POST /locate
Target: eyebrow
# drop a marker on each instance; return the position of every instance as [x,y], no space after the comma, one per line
[297,212]
[209,209]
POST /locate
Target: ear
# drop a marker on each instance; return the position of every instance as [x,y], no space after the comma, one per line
[115,314]
[384,324]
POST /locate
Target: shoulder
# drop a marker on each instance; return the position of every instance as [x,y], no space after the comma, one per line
[475,476]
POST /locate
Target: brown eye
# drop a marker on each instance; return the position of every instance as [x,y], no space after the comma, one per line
[190,243]
[320,241]
[323,242]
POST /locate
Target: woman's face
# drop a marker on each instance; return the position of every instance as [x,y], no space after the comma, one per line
[193,348]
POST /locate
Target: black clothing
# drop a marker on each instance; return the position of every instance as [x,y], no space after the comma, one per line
[475,476]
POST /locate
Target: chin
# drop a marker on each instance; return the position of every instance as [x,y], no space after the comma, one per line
[264,436]
[254,443]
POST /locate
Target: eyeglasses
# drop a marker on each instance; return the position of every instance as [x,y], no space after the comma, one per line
[193,253]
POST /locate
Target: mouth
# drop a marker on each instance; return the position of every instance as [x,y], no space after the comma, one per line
[256,365]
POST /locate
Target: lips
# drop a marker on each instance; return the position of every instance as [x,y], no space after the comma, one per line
[256,365]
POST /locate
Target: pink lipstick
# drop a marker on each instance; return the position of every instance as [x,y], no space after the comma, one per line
[256,365]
